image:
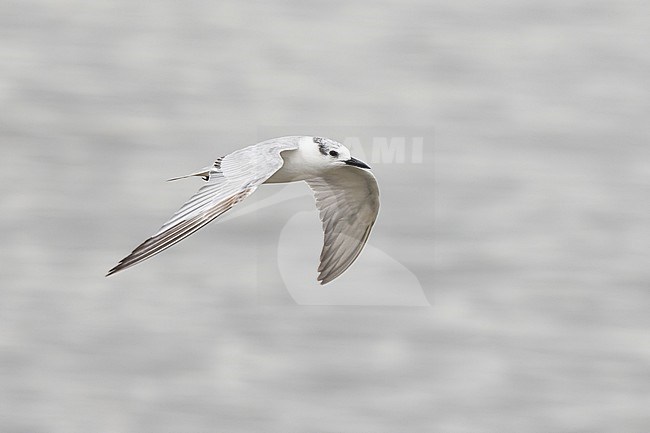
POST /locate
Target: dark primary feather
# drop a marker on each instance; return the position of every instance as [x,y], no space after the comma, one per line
[166,239]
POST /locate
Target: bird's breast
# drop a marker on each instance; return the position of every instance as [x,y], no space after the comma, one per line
[294,168]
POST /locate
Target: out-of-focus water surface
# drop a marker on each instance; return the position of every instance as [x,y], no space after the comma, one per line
[527,224]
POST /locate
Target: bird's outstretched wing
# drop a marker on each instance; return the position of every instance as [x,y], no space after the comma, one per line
[348,203]
[231,179]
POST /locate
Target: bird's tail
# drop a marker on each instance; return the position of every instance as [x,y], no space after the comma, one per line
[204,173]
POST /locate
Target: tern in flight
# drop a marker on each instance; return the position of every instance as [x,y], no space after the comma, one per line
[346,194]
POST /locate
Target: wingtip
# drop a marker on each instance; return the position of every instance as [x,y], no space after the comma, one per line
[110,272]
[115,269]
[322,279]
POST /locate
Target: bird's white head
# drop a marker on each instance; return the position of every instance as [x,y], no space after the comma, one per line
[330,154]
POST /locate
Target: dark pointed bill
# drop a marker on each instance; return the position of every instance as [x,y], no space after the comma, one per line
[355,162]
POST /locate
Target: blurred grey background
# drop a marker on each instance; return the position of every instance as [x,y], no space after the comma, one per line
[526,224]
